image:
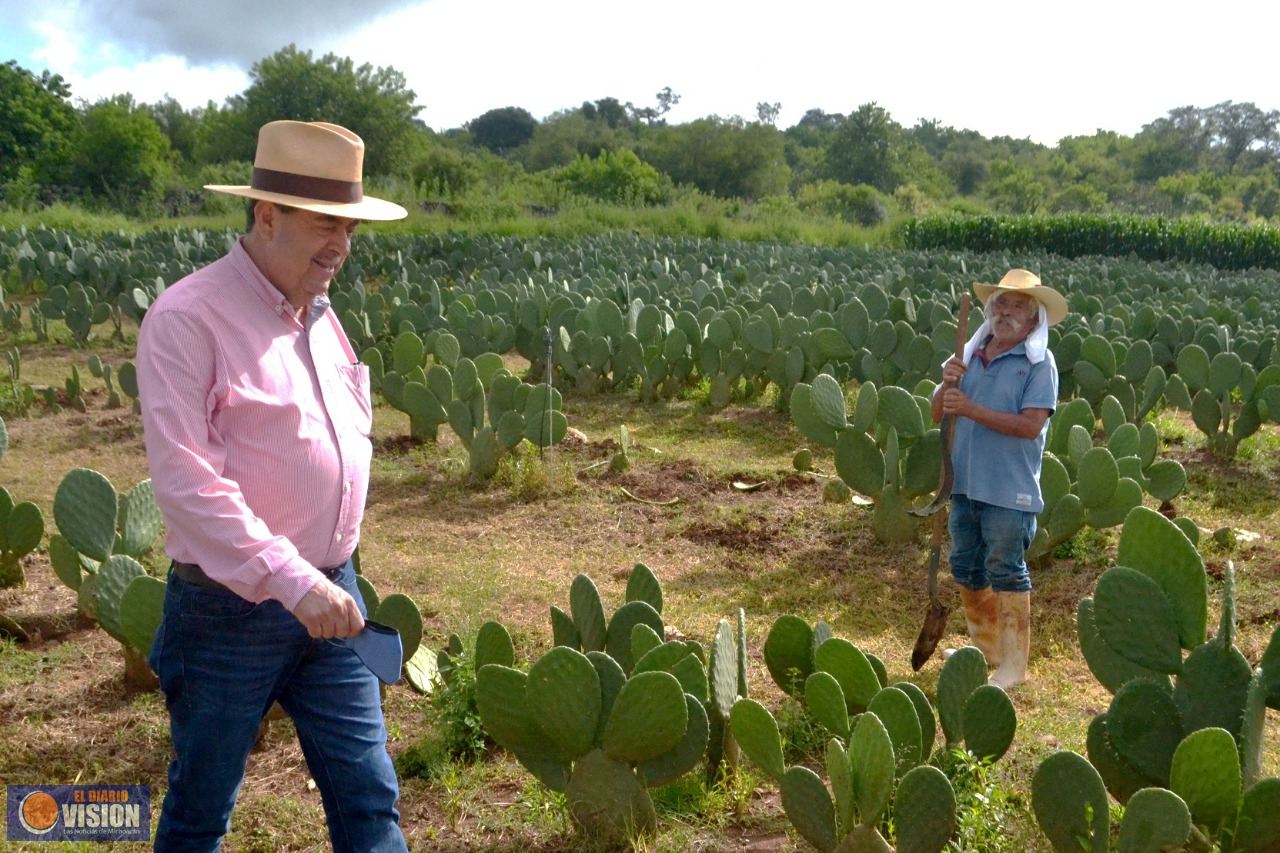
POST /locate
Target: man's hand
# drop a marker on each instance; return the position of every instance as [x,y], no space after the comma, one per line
[328,611]
[953,372]
[954,402]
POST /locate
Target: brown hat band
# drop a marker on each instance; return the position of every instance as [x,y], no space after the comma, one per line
[307,186]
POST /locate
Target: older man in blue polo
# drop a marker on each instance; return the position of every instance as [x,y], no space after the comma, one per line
[1002,395]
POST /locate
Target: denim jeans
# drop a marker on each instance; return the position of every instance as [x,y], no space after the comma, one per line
[989,545]
[222,661]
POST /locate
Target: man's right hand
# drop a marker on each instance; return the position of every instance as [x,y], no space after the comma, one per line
[328,611]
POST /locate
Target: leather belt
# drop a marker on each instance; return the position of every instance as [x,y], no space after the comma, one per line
[193,574]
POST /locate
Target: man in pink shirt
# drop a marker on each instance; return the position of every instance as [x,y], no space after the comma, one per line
[257,417]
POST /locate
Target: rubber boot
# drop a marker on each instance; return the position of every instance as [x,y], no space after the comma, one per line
[1015,639]
[982,615]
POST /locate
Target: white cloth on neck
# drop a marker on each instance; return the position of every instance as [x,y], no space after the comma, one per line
[1037,343]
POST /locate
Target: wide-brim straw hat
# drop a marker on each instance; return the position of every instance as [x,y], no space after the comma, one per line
[1025,281]
[313,166]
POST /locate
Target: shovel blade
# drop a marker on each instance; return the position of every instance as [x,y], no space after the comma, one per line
[935,625]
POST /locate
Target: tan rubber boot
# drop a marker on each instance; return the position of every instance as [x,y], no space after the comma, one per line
[982,615]
[1015,639]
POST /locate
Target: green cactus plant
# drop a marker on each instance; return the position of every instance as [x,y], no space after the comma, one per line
[581,726]
[21,529]
[875,766]
[1181,742]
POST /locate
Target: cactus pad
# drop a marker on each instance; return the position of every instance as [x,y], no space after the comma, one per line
[896,710]
[1134,618]
[493,645]
[1213,688]
[1144,726]
[924,811]
[964,672]
[1153,545]
[398,611]
[851,669]
[1108,666]
[1121,779]
[563,631]
[563,695]
[1258,827]
[588,613]
[85,508]
[723,671]
[826,703]
[756,732]
[642,585]
[611,680]
[874,768]
[1206,775]
[788,653]
[674,763]
[141,611]
[618,634]
[644,640]
[141,519]
[989,722]
[1154,820]
[648,718]
[808,806]
[1070,804]
[114,578]
[607,800]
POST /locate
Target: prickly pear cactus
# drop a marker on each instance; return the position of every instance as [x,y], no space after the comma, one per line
[581,726]
[21,529]
[1181,742]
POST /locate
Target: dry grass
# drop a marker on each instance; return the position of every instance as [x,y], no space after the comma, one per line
[511,549]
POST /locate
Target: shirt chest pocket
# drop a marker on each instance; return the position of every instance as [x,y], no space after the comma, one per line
[356,401]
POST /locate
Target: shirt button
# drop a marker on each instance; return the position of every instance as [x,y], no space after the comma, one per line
[337,537]
[346,487]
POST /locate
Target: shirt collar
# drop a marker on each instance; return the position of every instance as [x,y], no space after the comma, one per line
[1020,348]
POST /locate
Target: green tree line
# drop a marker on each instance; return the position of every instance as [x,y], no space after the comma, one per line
[1218,162]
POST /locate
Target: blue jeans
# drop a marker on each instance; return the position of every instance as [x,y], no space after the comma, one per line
[989,545]
[222,661]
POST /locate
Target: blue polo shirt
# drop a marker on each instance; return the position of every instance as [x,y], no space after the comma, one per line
[992,467]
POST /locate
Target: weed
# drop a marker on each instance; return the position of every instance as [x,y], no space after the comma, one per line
[803,737]
[452,711]
[532,478]
[983,807]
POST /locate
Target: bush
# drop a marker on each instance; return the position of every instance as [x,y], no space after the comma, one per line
[618,176]
[444,171]
[857,203]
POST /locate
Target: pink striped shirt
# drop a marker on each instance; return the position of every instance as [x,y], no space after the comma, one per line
[256,428]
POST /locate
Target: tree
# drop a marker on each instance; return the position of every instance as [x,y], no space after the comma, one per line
[561,138]
[290,84]
[180,126]
[725,157]
[1236,128]
[36,124]
[767,113]
[867,148]
[120,155]
[503,129]
[611,111]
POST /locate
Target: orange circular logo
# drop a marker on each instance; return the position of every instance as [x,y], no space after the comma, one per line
[38,813]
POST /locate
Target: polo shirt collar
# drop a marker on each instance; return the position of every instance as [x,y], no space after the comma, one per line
[1020,348]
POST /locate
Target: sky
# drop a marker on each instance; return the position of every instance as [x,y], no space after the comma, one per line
[1024,69]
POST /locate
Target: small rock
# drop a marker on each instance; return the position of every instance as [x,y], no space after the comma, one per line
[1049,740]
[311,784]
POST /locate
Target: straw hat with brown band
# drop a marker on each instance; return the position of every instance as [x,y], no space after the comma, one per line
[1025,281]
[313,166]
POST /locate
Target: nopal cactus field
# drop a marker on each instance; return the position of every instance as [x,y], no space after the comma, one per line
[639,510]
